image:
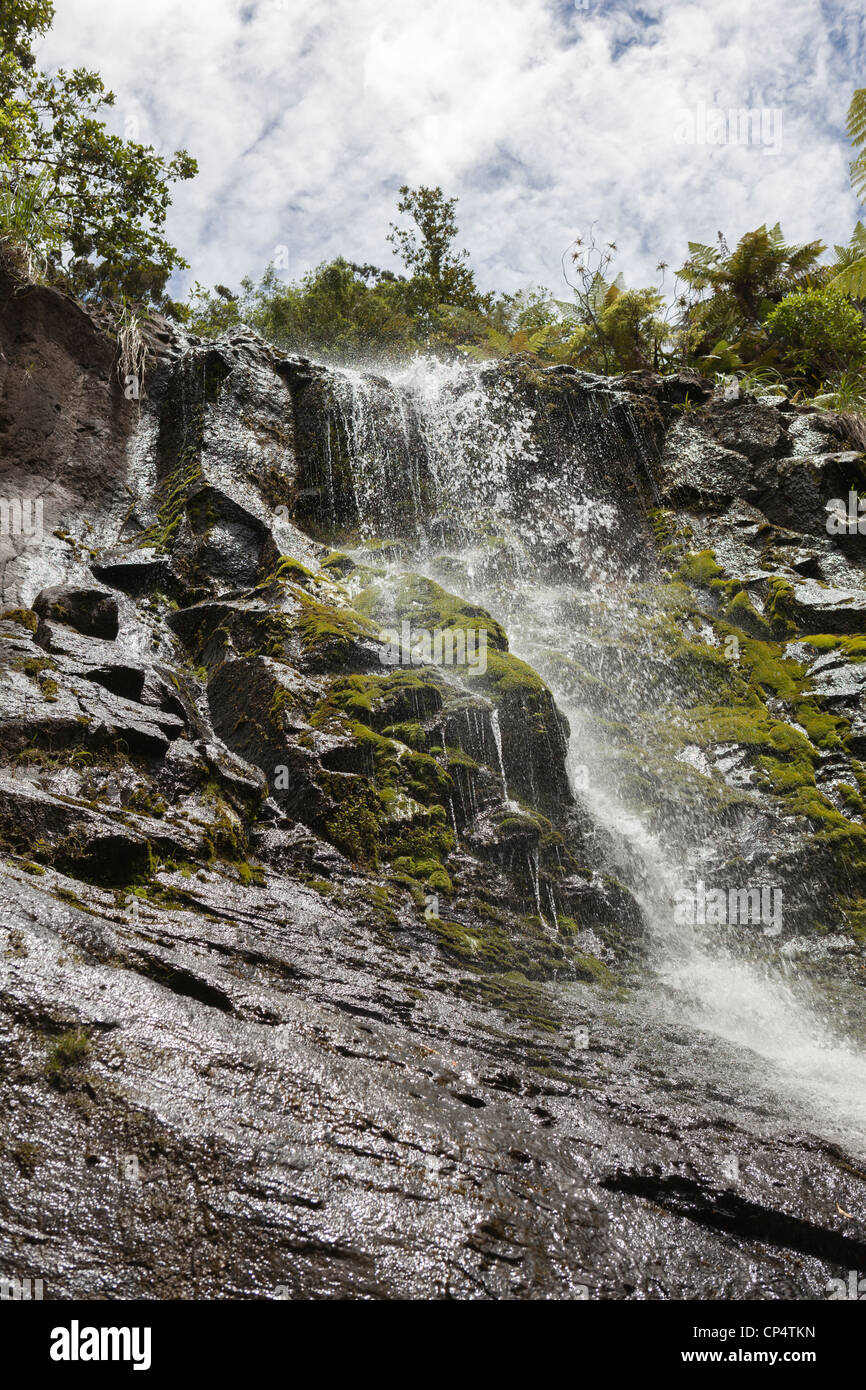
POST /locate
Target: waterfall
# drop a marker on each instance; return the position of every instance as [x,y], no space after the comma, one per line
[455,454]
[497,740]
[543,525]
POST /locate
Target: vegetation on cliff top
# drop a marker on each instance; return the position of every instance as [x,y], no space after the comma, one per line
[80,207]
[84,209]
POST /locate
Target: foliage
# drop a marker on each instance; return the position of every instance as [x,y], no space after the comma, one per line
[440,275]
[530,322]
[631,327]
[339,310]
[732,291]
[857,136]
[850,267]
[847,393]
[851,260]
[768,311]
[84,208]
[29,229]
[818,331]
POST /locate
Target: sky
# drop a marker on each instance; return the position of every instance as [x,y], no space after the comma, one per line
[542,116]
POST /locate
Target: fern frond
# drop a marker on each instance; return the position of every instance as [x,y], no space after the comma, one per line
[702,254]
[852,280]
[499,342]
[858,176]
[598,292]
[857,117]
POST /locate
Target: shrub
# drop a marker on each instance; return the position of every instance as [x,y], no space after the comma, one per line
[818,332]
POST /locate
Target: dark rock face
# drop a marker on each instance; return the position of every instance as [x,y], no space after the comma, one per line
[92,612]
[313,962]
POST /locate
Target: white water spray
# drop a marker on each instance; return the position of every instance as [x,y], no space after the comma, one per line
[470,440]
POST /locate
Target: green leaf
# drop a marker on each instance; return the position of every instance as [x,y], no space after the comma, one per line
[852,280]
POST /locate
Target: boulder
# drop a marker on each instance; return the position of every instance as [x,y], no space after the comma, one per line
[92,612]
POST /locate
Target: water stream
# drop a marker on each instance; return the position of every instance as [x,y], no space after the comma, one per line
[533,534]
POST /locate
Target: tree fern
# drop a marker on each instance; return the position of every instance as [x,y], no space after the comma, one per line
[852,280]
[851,260]
[851,265]
[857,136]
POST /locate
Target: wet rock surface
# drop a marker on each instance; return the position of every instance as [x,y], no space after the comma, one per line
[316,976]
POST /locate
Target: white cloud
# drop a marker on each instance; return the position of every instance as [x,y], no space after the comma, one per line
[307,115]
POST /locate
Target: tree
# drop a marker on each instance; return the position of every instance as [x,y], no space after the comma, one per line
[735,290]
[440,275]
[339,310]
[851,260]
[631,326]
[857,136]
[84,206]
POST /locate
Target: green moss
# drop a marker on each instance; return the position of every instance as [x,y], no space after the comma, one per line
[30,868]
[699,567]
[27,1156]
[25,616]
[426,605]
[338,562]
[742,613]
[34,666]
[412,734]
[826,730]
[287,568]
[513,994]
[432,840]
[852,798]
[527,827]
[852,648]
[381,701]
[455,758]
[764,667]
[424,778]
[592,970]
[65,1054]
[327,629]
[854,912]
[283,700]
[781,607]
[355,827]
[320,886]
[493,947]
[428,871]
[250,873]
[66,895]
[507,675]
[173,493]
[147,802]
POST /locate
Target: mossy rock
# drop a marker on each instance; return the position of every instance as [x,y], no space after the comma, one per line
[743,614]
[426,605]
[700,568]
[24,616]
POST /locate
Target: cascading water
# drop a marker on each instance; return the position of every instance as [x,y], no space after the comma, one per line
[547,538]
